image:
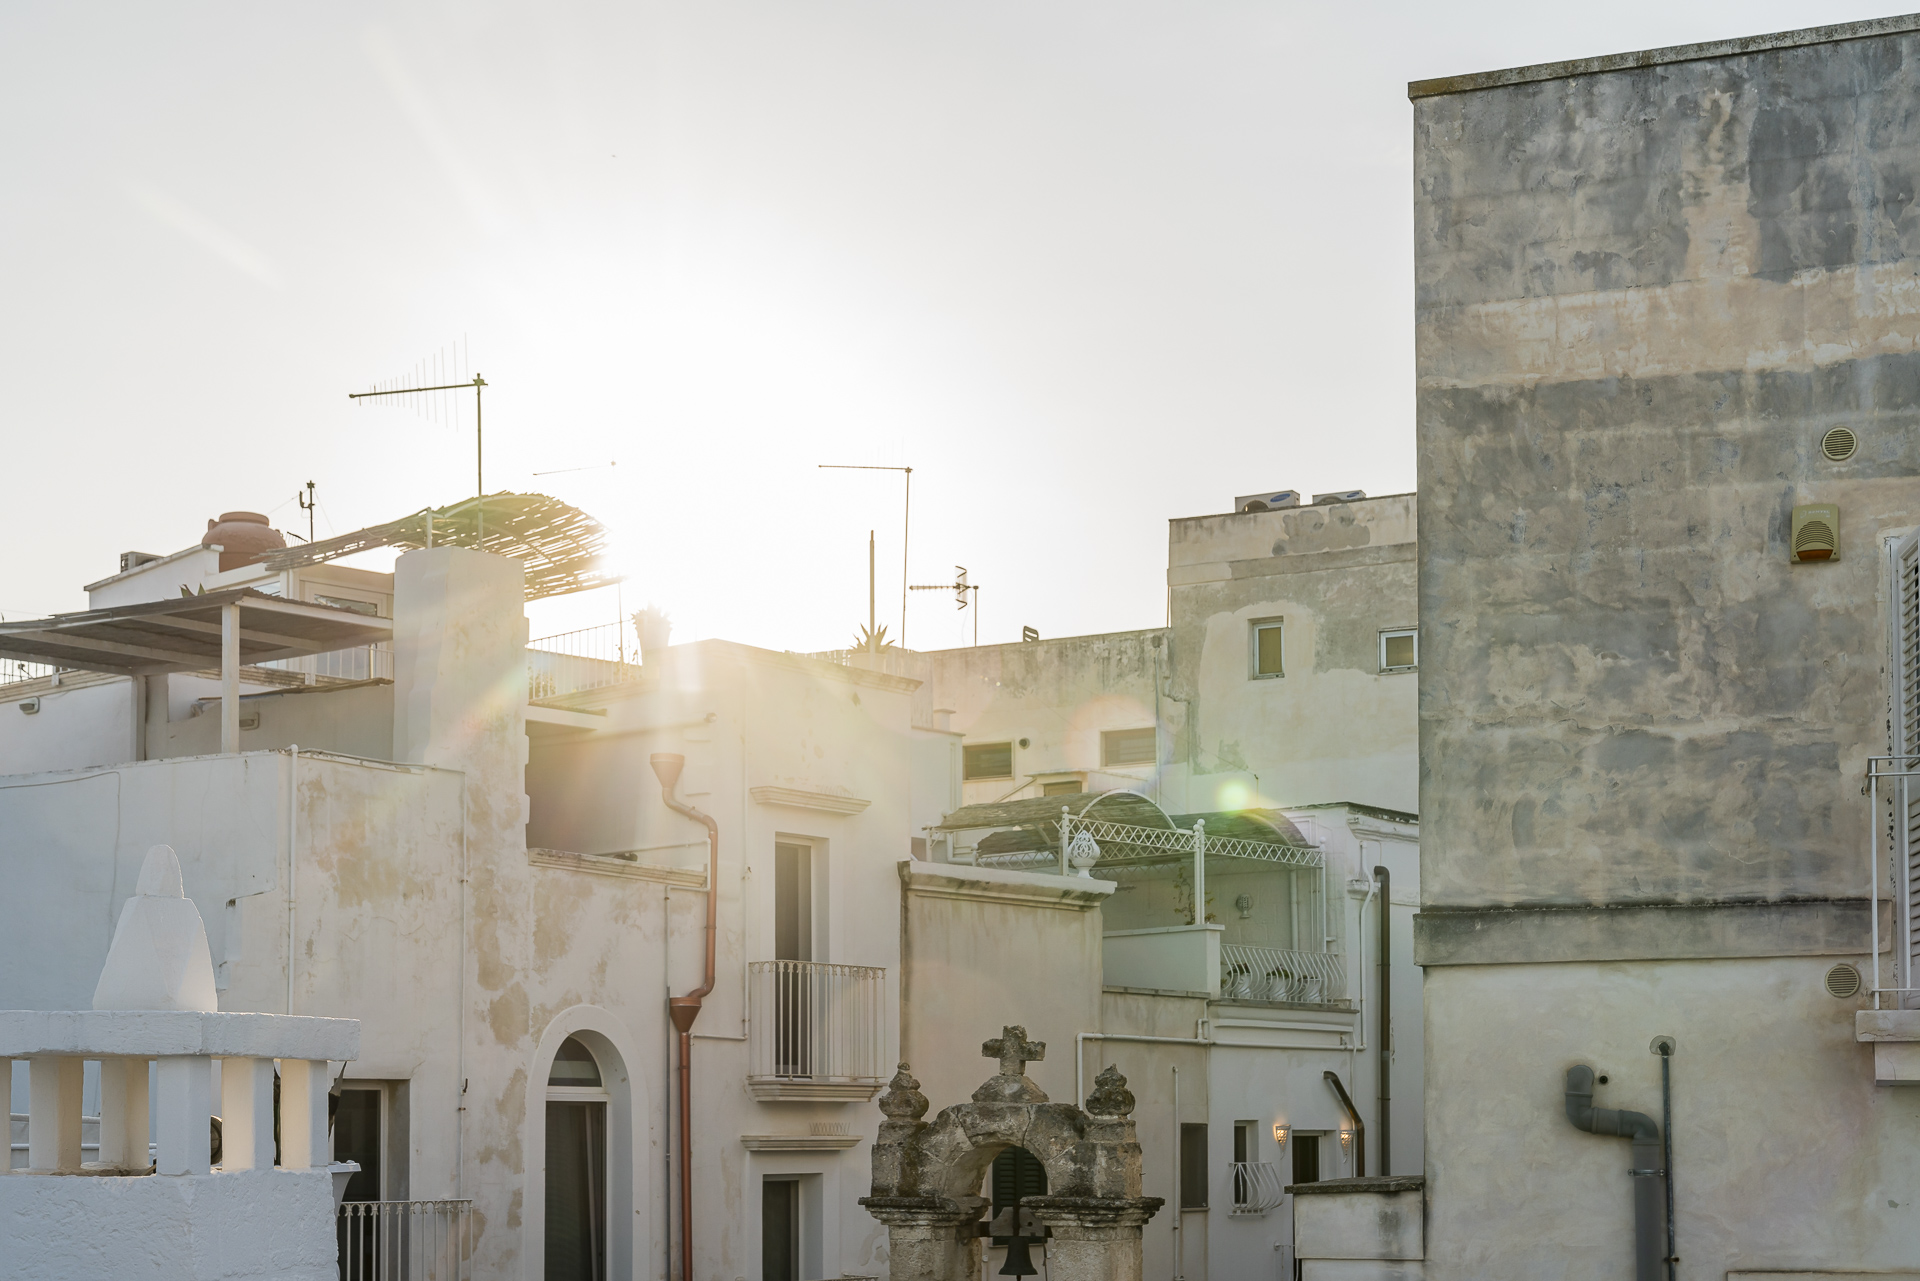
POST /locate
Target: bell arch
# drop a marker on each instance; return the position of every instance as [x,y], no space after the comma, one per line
[927,1175]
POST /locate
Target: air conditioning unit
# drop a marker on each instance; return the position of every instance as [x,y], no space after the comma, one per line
[1340,496]
[1267,502]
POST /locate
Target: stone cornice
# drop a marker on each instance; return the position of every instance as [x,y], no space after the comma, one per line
[809,799]
[995,885]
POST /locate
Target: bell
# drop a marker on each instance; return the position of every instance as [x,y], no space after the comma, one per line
[1018,1263]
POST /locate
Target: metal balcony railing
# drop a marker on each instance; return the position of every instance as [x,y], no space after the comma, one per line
[405,1240]
[1257,1187]
[811,1023]
[589,658]
[362,663]
[1251,973]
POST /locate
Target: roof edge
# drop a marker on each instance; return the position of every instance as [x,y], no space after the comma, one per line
[1834,34]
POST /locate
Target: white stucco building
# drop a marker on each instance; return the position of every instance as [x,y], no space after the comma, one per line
[387,805]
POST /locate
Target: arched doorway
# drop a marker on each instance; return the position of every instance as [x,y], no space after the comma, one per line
[576,1166]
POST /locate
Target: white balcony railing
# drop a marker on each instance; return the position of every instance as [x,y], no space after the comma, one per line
[405,1240]
[1251,973]
[590,658]
[1257,1187]
[815,1030]
[362,663]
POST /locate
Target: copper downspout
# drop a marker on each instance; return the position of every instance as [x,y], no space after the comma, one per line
[683,1010]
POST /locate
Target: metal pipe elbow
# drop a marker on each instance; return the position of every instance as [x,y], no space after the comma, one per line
[1637,1126]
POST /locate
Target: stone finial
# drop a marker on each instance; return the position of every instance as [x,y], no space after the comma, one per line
[159,958]
[1110,1096]
[1014,1051]
[903,1102]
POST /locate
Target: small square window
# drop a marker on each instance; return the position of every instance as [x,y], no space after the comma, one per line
[1266,647]
[1128,746]
[1400,650]
[986,760]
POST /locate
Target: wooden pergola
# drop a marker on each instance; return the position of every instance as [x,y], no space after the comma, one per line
[224,629]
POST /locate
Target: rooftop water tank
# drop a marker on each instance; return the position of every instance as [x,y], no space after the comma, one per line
[242,537]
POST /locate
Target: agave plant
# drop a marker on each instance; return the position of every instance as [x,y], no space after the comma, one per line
[872,641]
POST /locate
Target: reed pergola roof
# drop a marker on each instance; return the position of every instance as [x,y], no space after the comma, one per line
[561,546]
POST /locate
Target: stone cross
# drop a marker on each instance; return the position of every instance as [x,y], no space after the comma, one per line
[1014,1051]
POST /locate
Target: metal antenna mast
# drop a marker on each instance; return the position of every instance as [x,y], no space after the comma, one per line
[906,529]
[307,504]
[479,450]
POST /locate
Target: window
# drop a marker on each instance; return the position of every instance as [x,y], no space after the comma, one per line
[1065,787]
[367,607]
[1246,1139]
[576,1166]
[1400,650]
[1017,1174]
[986,760]
[1266,649]
[792,902]
[1306,1157]
[1129,746]
[1193,1166]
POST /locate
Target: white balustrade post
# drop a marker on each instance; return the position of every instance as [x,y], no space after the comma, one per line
[1200,871]
[123,1114]
[53,1113]
[183,1115]
[303,1114]
[246,1114]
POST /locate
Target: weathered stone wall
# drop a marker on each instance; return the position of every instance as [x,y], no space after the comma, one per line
[1643,297]
[1645,293]
[1334,727]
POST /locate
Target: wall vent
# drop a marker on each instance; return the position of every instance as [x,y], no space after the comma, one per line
[1838,445]
[1843,981]
[1816,533]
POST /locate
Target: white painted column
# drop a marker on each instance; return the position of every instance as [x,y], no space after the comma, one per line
[303,1114]
[246,1114]
[123,1113]
[53,1113]
[183,1115]
[229,679]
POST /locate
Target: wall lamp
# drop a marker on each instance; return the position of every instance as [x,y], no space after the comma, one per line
[1346,1142]
[1281,1133]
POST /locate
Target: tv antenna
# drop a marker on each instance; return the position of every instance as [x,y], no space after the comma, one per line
[959,587]
[479,450]
[307,503]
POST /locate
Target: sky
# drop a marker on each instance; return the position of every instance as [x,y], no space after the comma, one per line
[1084,267]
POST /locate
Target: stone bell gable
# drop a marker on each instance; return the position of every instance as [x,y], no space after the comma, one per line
[927,1175]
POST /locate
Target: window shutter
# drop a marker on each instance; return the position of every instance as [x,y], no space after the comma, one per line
[1904,726]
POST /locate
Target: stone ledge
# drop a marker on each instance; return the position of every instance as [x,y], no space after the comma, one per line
[1334,1187]
[799,1142]
[1643,932]
[163,1033]
[809,799]
[994,885]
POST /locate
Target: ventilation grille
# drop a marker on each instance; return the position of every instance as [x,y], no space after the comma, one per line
[1843,981]
[1838,445]
[1814,539]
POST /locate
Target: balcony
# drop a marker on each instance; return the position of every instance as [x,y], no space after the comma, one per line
[815,1031]
[1257,1187]
[590,658]
[405,1240]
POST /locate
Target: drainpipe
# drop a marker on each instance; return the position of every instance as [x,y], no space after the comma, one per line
[1386,1022]
[1648,1178]
[1359,1126]
[683,1010]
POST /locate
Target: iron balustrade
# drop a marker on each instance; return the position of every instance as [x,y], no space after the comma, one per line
[405,1240]
[816,1021]
[1257,1187]
[1252,973]
[1893,797]
[588,658]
